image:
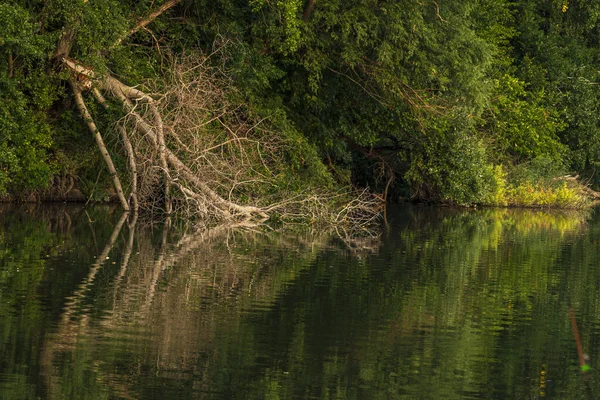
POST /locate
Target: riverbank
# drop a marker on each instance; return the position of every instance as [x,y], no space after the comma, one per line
[561,192]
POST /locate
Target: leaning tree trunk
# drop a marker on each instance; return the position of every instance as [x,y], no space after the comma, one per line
[175,172]
[130,153]
[100,142]
[190,186]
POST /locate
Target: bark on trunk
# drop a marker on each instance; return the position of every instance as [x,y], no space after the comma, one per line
[308,10]
[10,65]
[100,142]
[128,149]
[63,48]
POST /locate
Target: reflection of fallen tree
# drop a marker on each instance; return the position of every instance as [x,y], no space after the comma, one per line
[206,270]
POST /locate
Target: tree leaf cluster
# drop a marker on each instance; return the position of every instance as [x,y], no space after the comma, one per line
[426,98]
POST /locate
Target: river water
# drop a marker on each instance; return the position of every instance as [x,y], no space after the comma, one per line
[444,304]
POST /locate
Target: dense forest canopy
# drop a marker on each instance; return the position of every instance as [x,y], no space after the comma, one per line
[465,102]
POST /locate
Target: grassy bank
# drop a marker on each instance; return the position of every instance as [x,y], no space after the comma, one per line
[523,188]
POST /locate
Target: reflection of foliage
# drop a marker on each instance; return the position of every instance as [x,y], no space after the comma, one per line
[21,270]
[438,319]
[454,304]
[210,272]
[33,241]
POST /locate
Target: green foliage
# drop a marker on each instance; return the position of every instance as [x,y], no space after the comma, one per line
[285,32]
[519,125]
[435,94]
[557,196]
[454,169]
[556,52]
[24,129]
[18,33]
[535,184]
[24,140]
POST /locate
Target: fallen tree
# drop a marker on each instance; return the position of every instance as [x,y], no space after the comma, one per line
[192,152]
[174,171]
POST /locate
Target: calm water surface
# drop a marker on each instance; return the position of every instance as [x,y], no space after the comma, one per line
[446,304]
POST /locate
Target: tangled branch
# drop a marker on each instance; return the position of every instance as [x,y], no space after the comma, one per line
[194,151]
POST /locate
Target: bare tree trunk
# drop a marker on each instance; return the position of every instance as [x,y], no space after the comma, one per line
[132,167]
[162,147]
[124,93]
[308,10]
[193,173]
[128,149]
[100,142]
[11,65]
[63,48]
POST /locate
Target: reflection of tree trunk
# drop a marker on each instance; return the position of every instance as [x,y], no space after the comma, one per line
[79,295]
[68,328]
[127,252]
[68,219]
[186,246]
[159,267]
[144,304]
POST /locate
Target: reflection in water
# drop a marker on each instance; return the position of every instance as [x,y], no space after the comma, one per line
[447,304]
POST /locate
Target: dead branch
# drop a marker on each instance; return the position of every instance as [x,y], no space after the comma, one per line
[132,167]
[565,178]
[582,186]
[128,149]
[212,153]
[375,96]
[590,192]
[65,42]
[125,94]
[147,20]
[437,11]
[162,148]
